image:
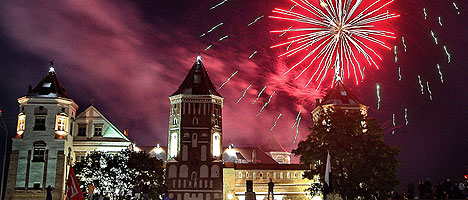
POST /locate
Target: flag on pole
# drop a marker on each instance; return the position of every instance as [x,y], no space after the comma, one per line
[73,190]
[328,170]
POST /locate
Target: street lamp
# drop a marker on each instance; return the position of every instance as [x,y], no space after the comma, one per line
[5,150]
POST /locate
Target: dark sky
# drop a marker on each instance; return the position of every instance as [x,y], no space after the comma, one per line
[129,56]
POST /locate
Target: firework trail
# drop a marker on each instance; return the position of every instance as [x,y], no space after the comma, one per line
[440,74]
[429,90]
[228,80]
[406,116]
[403,41]
[297,130]
[456,7]
[285,31]
[396,54]
[222,38]
[421,85]
[258,18]
[208,47]
[258,96]
[243,95]
[212,29]
[297,118]
[336,36]
[292,7]
[440,21]
[425,13]
[378,96]
[275,122]
[448,54]
[221,3]
[264,105]
[393,122]
[252,55]
[435,38]
[399,73]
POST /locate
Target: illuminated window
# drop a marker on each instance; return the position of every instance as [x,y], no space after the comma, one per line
[240,174]
[174,145]
[39,123]
[216,145]
[61,124]
[97,130]
[39,151]
[21,124]
[174,122]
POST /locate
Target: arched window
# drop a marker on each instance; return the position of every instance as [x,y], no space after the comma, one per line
[240,175]
[39,151]
[185,153]
[204,171]
[214,171]
[254,175]
[174,148]
[247,175]
[281,175]
[183,173]
[195,121]
[203,153]
[21,124]
[216,144]
[261,175]
[194,176]
[172,171]
[194,140]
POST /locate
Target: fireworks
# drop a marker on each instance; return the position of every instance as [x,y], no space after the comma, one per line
[297,130]
[429,90]
[228,80]
[399,73]
[440,21]
[440,74]
[336,34]
[403,41]
[406,116]
[297,118]
[208,47]
[264,105]
[434,36]
[396,54]
[448,54]
[378,96]
[421,85]
[259,94]
[425,13]
[252,55]
[212,29]
[258,18]
[220,3]
[274,125]
[243,94]
[456,7]
[222,38]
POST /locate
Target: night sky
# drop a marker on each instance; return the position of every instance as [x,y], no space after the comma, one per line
[128,57]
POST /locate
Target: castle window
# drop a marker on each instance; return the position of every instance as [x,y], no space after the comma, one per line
[203,153]
[214,171]
[295,174]
[82,130]
[246,174]
[39,123]
[194,140]
[61,124]
[39,151]
[174,145]
[261,175]
[204,171]
[98,130]
[174,122]
[240,175]
[195,121]
[254,175]
[21,124]
[194,176]
[288,175]
[216,145]
[281,175]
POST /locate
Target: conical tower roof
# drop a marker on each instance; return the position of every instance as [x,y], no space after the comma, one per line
[340,95]
[197,81]
[49,86]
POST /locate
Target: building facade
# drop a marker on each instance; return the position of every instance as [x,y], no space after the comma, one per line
[50,137]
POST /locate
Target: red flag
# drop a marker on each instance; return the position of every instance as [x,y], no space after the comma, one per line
[73,190]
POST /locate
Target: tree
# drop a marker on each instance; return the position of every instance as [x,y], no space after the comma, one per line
[362,164]
[116,173]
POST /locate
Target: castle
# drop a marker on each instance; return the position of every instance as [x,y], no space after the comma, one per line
[198,165]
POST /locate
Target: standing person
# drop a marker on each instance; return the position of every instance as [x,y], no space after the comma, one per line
[428,188]
[49,192]
[421,190]
[270,189]
[410,188]
[90,191]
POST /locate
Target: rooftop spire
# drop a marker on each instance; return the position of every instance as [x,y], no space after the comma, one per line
[199,59]
[52,69]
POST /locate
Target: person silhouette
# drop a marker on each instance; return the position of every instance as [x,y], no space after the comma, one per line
[270,189]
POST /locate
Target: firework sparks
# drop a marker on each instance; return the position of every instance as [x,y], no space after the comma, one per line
[421,85]
[440,73]
[399,73]
[228,80]
[434,36]
[440,21]
[208,47]
[406,116]
[222,38]
[252,55]
[336,35]
[297,130]
[378,96]
[220,3]
[285,31]
[425,13]
[243,94]
[274,125]
[396,54]
[264,105]
[429,90]
[448,54]
[212,29]
[297,118]
[393,122]
[403,41]
[259,94]
[456,7]
[255,21]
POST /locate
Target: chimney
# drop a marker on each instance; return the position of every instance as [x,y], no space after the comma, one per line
[29,89]
[125,132]
[254,156]
[317,102]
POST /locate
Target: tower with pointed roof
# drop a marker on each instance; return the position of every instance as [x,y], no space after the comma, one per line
[194,166]
[43,142]
[339,97]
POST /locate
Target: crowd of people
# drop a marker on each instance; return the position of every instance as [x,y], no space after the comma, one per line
[447,189]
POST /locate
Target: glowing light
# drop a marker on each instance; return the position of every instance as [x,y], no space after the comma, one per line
[297,118]
[208,47]
[448,54]
[61,124]
[456,7]
[434,36]
[251,55]
[221,3]
[285,31]
[216,145]
[323,4]
[393,119]
[51,70]
[212,29]
[230,196]
[274,125]
[406,116]
[255,21]
[403,41]
[440,21]
[440,73]
[231,152]
[258,96]
[396,54]
[425,13]
[174,147]
[421,85]
[243,94]
[21,124]
[222,38]
[335,36]
[297,130]
[378,96]
[399,73]
[429,90]
[264,105]
[232,75]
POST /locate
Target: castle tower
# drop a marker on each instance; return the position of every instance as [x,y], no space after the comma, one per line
[194,167]
[42,147]
[339,97]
